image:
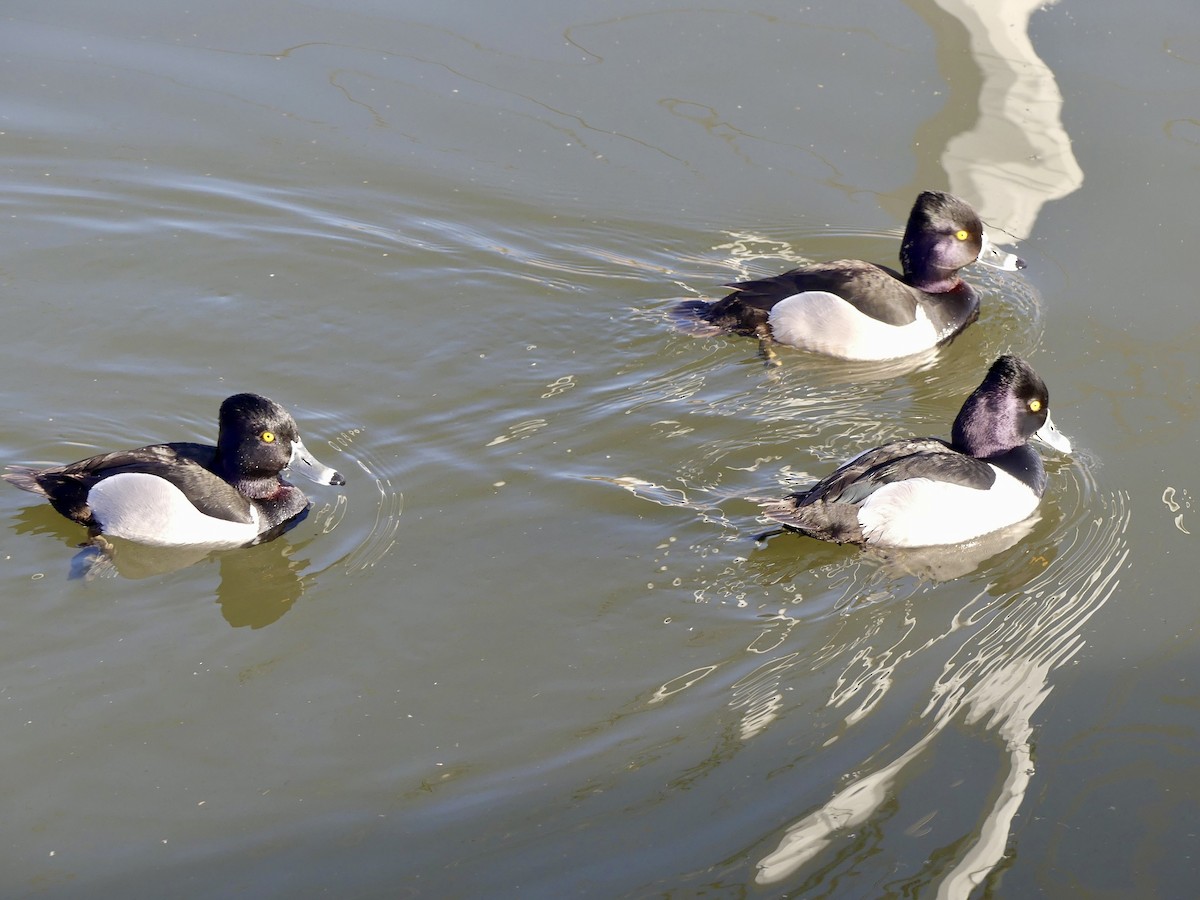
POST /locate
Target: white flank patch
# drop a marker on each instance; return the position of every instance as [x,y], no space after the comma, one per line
[824,322]
[920,512]
[147,509]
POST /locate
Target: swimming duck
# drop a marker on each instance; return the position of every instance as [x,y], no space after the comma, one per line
[926,492]
[858,310]
[181,494]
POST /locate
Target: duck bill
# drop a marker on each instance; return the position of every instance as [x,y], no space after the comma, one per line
[992,256]
[1048,434]
[304,463]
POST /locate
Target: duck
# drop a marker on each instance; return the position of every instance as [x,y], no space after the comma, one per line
[189,494]
[855,310]
[927,492]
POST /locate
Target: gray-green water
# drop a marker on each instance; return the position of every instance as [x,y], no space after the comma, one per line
[529,649]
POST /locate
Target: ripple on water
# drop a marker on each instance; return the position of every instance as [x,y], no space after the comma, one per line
[369,548]
[1013,615]
[998,653]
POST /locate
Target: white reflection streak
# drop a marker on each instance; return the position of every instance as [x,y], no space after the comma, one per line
[746,248]
[1000,677]
[759,696]
[663,496]
[1168,499]
[1018,155]
[681,683]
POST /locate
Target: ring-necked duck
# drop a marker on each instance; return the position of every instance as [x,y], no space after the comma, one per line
[925,492]
[181,494]
[858,310]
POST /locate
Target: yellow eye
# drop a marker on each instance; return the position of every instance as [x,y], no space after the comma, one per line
[268,437]
[1035,405]
[962,234]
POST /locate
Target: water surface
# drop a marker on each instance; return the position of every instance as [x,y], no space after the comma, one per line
[530,648]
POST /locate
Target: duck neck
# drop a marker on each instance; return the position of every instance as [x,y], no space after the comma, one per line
[256,487]
[920,270]
[936,281]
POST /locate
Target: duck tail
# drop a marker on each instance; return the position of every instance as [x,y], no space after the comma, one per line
[834,522]
[694,317]
[24,477]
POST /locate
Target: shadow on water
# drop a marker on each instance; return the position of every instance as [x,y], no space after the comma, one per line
[257,584]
